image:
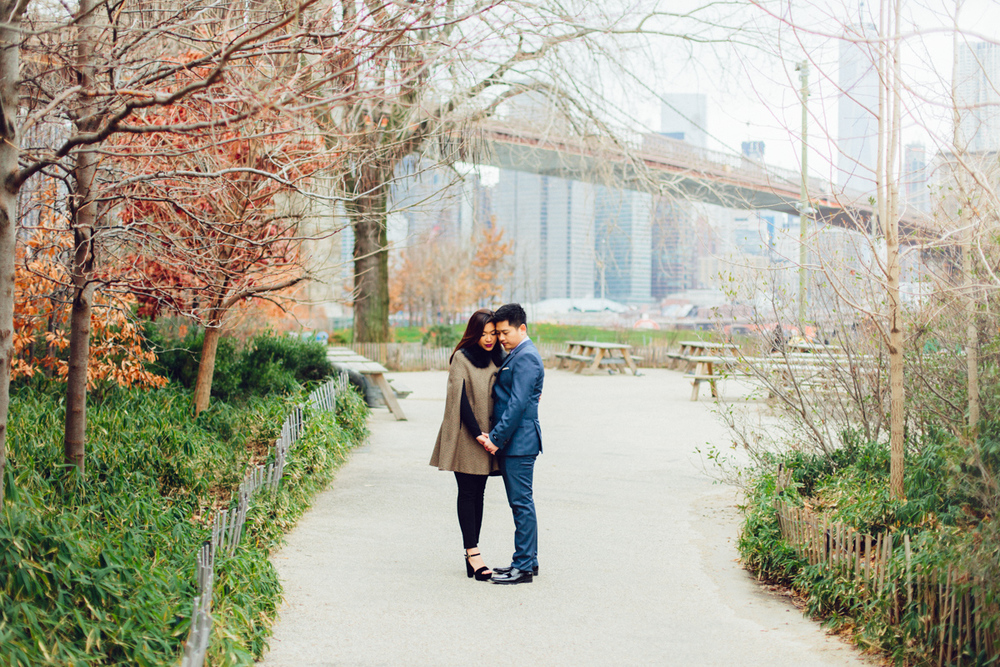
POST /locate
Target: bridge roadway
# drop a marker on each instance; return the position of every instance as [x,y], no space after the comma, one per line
[636,548]
[658,164]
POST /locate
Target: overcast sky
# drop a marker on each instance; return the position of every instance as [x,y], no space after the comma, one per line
[752,87]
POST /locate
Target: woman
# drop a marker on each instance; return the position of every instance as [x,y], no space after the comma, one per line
[467,411]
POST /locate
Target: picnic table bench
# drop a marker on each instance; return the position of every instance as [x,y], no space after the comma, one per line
[818,371]
[347,359]
[707,368]
[809,371]
[801,364]
[711,369]
[694,348]
[591,355]
[812,347]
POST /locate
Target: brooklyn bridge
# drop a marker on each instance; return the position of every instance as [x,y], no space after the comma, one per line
[657,164]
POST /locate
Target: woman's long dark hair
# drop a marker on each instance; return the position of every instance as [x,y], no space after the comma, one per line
[474,330]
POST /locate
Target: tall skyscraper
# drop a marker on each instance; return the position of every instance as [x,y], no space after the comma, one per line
[915,177]
[673,251]
[857,109]
[979,96]
[675,247]
[429,202]
[425,199]
[519,210]
[753,150]
[684,116]
[623,248]
[550,222]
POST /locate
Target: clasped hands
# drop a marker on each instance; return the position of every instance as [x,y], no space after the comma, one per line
[484,440]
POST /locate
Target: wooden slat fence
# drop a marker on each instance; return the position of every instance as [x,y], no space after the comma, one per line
[955,618]
[227,525]
[406,357]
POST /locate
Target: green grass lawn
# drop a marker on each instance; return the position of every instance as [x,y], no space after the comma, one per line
[559,333]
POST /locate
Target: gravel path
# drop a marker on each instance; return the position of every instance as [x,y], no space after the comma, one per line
[636,548]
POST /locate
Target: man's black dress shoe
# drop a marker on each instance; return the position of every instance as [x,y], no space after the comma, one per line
[514,576]
[505,570]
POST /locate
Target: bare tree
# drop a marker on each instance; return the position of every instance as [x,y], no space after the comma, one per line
[456,65]
[203,224]
[954,250]
[121,58]
[887,180]
[11,14]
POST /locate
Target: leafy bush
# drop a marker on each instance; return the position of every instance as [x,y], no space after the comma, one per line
[99,570]
[269,364]
[442,335]
[178,360]
[947,515]
[764,552]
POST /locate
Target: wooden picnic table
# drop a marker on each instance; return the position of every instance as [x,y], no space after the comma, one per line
[347,358]
[811,368]
[706,369]
[812,347]
[694,348]
[589,354]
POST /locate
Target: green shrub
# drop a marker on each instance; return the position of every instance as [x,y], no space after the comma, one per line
[442,335]
[304,359]
[947,515]
[763,551]
[178,360]
[99,570]
[269,364]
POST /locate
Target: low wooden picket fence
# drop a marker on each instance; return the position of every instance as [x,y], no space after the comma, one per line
[957,622]
[408,357]
[405,357]
[227,525]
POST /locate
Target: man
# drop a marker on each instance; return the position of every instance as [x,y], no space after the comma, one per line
[516,437]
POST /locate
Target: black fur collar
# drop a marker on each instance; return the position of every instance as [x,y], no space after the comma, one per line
[480,358]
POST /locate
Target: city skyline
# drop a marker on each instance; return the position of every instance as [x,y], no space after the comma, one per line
[978,93]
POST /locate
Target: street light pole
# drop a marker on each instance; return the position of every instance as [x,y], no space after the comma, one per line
[803,69]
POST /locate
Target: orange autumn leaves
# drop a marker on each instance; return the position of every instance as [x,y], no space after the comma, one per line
[193,220]
[207,207]
[437,278]
[41,321]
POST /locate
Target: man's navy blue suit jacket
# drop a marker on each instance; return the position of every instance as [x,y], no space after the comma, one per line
[518,387]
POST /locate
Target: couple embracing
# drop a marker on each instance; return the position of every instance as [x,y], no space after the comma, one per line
[499,392]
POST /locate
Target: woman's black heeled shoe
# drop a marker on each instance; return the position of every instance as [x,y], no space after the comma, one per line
[482,574]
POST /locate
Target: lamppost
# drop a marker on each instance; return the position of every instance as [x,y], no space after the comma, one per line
[804,209]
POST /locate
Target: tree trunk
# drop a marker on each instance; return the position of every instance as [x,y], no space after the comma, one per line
[971,330]
[371,261]
[897,400]
[897,392]
[206,369]
[75,436]
[84,211]
[10,39]
[965,223]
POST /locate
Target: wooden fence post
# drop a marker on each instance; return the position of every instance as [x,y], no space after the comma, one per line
[227,525]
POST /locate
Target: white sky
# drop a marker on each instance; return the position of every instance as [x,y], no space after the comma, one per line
[752,91]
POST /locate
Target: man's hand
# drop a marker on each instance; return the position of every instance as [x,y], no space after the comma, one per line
[484,440]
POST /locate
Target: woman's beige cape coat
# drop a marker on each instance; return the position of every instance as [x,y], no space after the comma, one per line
[456,448]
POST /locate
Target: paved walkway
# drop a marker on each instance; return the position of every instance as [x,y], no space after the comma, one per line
[636,548]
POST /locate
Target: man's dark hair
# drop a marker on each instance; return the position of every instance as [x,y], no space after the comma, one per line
[511,312]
